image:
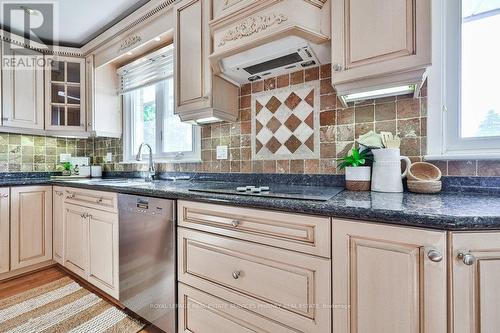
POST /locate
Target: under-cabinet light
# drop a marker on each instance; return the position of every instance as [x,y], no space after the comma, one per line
[207,120]
[394,91]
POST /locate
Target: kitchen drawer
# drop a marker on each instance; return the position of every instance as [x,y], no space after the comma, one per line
[289,287]
[203,313]
[107,201]
[302,233]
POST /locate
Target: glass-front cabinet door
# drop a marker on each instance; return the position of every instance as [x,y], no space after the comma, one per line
[65,94]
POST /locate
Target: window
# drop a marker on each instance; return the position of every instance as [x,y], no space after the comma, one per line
[149,112]
[464,102]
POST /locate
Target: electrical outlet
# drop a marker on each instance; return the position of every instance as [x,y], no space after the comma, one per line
[109,157]
[222,152]
[65,158]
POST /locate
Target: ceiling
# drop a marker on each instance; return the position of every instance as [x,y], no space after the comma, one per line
[79,20]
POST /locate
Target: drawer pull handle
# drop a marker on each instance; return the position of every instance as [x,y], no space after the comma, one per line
[235,223]
[99,200]
[467,258]
[5,195]
[71,196]
[236,275]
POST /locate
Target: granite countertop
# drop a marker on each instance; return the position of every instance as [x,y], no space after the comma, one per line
[445,211]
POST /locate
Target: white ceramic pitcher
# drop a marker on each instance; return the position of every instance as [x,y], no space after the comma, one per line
[387,176]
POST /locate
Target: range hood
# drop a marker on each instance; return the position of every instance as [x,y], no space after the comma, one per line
[268,38]
[283,56]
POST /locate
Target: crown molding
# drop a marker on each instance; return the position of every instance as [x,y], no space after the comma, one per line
[144,14]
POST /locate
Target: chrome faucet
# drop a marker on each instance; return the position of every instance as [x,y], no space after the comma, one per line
[151,166]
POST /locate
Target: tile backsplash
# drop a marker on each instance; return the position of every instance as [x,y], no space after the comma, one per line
[334,129]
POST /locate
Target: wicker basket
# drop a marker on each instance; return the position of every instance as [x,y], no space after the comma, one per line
[429,186]
[423,171]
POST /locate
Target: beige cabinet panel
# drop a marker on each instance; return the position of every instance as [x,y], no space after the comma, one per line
[204,313]
[22,90]
[291,288]
[58,224]
[302,233]
[475,282]
[103,251]
[384,281]
[31,225]
[4,230]
[76,239]
[377,41]
[198,93]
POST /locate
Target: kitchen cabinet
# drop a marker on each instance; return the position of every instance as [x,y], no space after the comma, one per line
[379,43]
[31,226]
[199,95]
[103,251]
[4,230]
[104,108]
[474,282]
[91,239]
[65,96]
[253,269]
[22,89]
[58,224]
[388,279]
[76,236]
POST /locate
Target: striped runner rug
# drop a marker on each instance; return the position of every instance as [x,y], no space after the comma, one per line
[63,306]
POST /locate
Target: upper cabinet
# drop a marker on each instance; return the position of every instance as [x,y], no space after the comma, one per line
[104,108]
[22,89]
[199,95]
[379,43]
[65,94]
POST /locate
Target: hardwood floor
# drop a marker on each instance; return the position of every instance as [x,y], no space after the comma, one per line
[36,279]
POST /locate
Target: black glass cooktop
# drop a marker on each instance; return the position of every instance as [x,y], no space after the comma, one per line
[298,192]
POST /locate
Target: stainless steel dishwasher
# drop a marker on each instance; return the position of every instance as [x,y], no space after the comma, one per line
[147,259]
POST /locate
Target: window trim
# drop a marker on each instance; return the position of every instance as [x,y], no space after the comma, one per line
[443,141]
[175,157]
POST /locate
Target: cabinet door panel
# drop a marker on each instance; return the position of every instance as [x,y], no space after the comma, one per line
[4,230]
[58,224]
[192,70]
[370,24]
[76,245]
[383,280]
[103,251]
[31,225]
[22,90]
[476,287]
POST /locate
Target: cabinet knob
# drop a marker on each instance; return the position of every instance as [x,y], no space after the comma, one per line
[71,196]
[206,97]
[435,256]
[236,275]
[337,67]
[467,258]
[235,223]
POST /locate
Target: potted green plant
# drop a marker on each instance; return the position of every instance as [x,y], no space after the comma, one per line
[66,169]
[357,174]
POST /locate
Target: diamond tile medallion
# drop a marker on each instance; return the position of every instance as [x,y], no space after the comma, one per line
[285,123]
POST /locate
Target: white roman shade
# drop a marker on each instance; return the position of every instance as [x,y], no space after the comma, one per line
[152,68]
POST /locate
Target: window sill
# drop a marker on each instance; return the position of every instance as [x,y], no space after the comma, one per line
[465,156]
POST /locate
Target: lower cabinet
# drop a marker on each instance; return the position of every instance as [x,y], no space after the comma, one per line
[388,279]
[91,246]
[31,226]
[202,312]
[4,230]
[58,224]
[292,289]
[76,226]
[475,280]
